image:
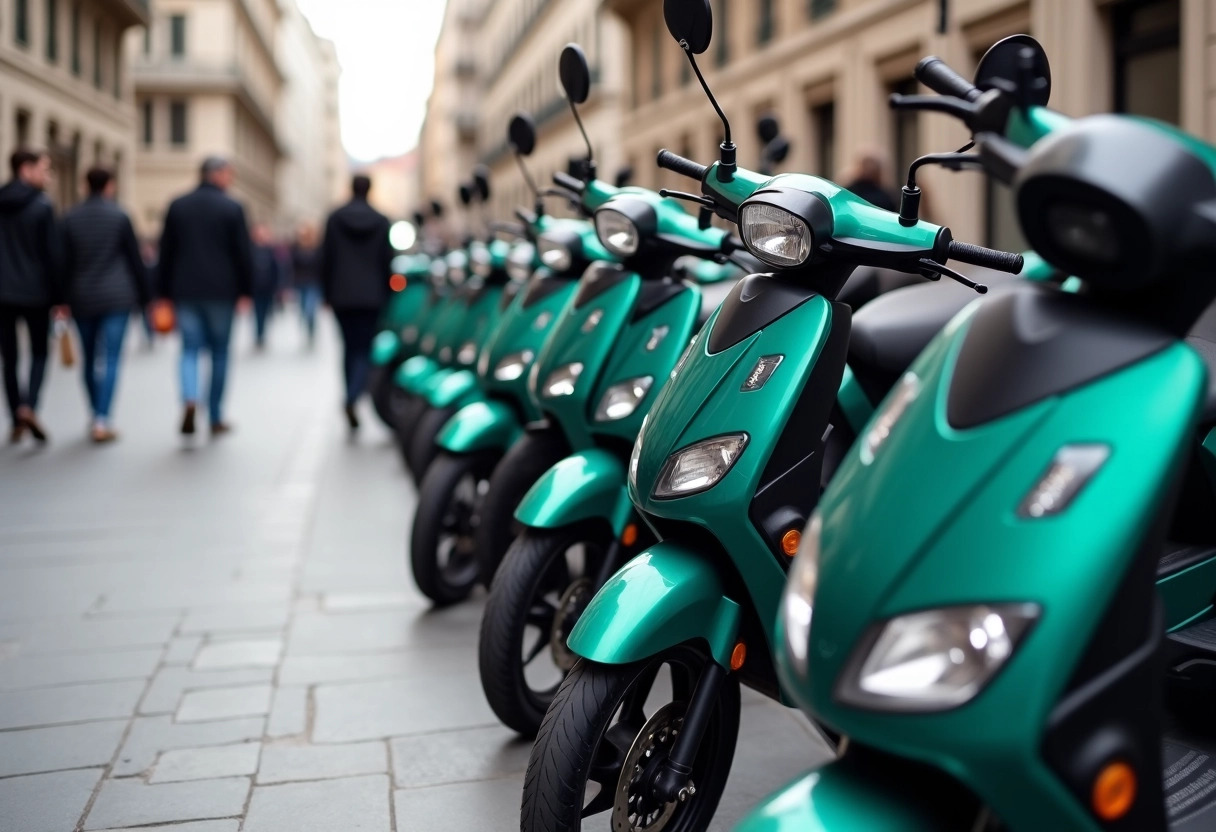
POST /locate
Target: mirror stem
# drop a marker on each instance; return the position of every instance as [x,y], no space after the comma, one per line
[590,171]
[727,166]
[519,160]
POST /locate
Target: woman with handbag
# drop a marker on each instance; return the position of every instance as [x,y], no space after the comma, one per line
[106,279]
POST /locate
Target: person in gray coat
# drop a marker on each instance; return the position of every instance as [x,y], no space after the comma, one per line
[106,281]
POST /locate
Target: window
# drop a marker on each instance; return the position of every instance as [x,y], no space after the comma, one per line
[52,30]
[117,61]
[23,128]
[720,23]
[177,123]
[820,8]
[148,39]
[823,129]
[177,35]
[764,31]
[656,63]
[149,114]
[905,142]
[1148,67]
[76,38]
[97,79]
[21,22]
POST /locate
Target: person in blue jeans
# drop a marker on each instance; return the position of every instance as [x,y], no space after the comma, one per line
[306,276]
[267,280]
[106,280]
[206,266]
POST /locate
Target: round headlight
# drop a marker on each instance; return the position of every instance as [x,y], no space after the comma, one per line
[775,236]
[479,262]
[617,232]
[554,255]
[519,264]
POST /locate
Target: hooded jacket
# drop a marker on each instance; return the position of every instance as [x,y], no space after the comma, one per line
[104,270]
[205,252]
[30,266]
[356,258]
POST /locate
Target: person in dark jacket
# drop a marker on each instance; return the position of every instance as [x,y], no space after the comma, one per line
[106,279]
[356,265]
[267,279]
[30,283]
[205,267]
[306,276]
[867,180]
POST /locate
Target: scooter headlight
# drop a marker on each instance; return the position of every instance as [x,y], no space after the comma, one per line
[519,262]
[562,380]
[699,467]
[467,353]
[797,602]
[775,236]
[880,426]
[479,261]
[636,454]
[554,255]
[617,232]
[934,660]
[513,366]
[620,400]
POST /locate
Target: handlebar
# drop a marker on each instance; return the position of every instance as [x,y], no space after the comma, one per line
[569,182]
[684,167]
[937,76]
[988,258]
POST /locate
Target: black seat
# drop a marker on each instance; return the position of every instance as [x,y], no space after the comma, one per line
[1203,340]
[891,330]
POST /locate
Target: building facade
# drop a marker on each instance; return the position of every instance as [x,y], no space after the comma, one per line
[826,68]
[207,81]
[65,86]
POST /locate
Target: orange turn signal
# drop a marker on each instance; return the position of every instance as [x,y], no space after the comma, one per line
[790,541]
[397,283]
[630,535]
[1114,791]
[738,656]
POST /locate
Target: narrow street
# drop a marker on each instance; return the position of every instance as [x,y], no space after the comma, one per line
[222,636]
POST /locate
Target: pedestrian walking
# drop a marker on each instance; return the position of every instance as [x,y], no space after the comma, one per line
[106,280]
[868,179]
[205,266]
[356,265]
[306,277]
[30,283]
[267,279]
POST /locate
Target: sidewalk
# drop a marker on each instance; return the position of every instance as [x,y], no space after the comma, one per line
[224,636]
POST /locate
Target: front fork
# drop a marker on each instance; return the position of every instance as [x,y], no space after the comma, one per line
[674,780]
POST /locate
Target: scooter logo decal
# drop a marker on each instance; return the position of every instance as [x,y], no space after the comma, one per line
[542,320]
[593,320]
[656,337]
[761,373]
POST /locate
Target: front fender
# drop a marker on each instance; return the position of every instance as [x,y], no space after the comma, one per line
[837,799]
[413,371]
[429,384]
[480,426]
[385,347]
[456,389]
[663,597]
[583,486]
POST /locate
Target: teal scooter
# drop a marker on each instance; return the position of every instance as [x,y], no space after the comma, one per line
[397,340]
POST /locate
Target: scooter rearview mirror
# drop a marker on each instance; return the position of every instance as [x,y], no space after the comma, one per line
[419,220]
[436,208]
[1002,62]
[767,128]
[466,194]
[481,182]
[574,73]
[777,150]
[690,22]
[624,176]
[522,134]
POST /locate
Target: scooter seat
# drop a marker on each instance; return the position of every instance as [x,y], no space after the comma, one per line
[891,330]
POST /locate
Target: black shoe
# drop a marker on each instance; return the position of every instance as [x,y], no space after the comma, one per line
[352,418]
[221,428]
[31,423]
[188,421]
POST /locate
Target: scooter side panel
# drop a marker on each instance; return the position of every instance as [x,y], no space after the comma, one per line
[452,388]
[479,426]
[586,485]
[413,372]
[429,384]
[384,347]
[665,596]
[835,799]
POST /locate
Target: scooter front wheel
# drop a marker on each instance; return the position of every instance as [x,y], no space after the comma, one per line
[605,736]
[441,542]
[542,587]
[422,450]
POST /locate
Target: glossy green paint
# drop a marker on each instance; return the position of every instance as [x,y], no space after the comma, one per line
[457,389]
[704,400]
[483,308]
[742,184]
[413,372]
[404,307]
[479,426]
[586,485]
[597,193]
[854,402]
[385,346]
[665,596]
[933,522]
[835,799]
[1025,127]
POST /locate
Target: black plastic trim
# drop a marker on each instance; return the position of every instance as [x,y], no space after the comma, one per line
[598,279]
[756,301]
[539,288]
[655,293]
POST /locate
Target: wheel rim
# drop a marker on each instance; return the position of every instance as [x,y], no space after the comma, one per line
[569,607]
[456,551]
[634,809]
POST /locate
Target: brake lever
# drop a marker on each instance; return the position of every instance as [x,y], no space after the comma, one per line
[703,201]
[943,270]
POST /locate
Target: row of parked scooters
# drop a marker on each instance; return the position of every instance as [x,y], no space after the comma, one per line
[973,539]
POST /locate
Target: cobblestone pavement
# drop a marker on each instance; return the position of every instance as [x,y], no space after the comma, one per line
[222,636]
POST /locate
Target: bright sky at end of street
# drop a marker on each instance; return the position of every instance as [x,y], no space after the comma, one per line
[387,52]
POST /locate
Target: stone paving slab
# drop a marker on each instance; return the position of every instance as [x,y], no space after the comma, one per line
[459,757]
[227,655]
[224,703]
[61,747]
[72,703]
[232,825]
[135,803]
[207,763]
[46,802]
[37,671]
[356,804]
[285,762]
[170,684]
[149,736]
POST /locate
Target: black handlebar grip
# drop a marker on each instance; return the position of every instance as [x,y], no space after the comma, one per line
[569,182]
[684,167]
[989,258]
[937,76]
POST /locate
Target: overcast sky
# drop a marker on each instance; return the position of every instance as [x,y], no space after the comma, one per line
[387,49]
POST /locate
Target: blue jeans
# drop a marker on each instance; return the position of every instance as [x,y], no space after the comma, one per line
[105,332]
[262,305]
[310,301]
[205,325]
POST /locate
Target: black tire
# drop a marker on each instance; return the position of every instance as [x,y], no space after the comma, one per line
[406,411]
[441,541]
[422,449]
[380,386]
[582,735]
[542,586]
[522,465]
